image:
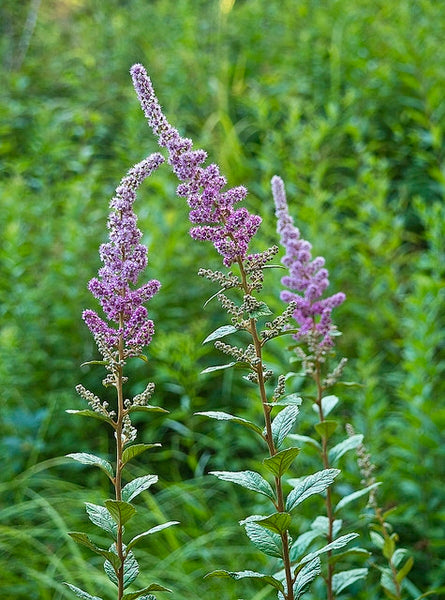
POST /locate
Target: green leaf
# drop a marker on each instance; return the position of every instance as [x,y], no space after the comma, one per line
[283,423]
[90,413]
[389,547]
[248,479]
[302,543]
[377,539]
[356,552]
[387,583]
[138,485]
[398,556]
[280,462]
[131,569]
[220,333]
[262,311]
[223,416]
[326,428]
[84,540]
[248,575]
[218,368]
[94,362]
[100,516]
[340,581]
[336,452]
[328,403]
[305,439]
[355,495]
[133,451]
[278,522]
[265,540]
[291,400]
[313,484]
[121,512]
[154,587]
[80,593]
[155,529]
[91,459]
[335,545]
[405,569]
[149,408]
[321,524]
[306,576]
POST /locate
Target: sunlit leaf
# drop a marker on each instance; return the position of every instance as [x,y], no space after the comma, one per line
[283,423]
[355,495]
[265,540]
[138,485]
[91,413]
[220,333]
[313,484]
[131,569]
[248,575]
[91,459]
[248,479]
[81,594]
[342,580]
[223,416]
[218,368]
[100,516]
[148,408]
[306,576]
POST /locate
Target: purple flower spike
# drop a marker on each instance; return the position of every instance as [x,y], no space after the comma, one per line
[307,276]
[202,186]
[124,258]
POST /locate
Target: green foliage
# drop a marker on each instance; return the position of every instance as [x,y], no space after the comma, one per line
[345,102]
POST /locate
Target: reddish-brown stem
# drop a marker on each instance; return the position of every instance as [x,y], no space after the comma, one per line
[328,501]
[269,438]
[119,466]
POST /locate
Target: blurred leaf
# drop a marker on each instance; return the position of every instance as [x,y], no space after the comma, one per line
[248,575]
[355,495]
[342,580]
[155,529]
[336,452]
[220,333]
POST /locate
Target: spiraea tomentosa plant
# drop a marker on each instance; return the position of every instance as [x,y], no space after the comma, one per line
[216,218]
[123,335]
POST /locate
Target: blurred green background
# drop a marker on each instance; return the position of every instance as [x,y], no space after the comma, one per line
[342,98]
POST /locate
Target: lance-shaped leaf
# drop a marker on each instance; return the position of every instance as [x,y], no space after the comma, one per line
[91,413]
[91,459]
[276,522]
[313,484]
[355,552]
[291,400]
[146,408]
[138,485]
[355,495]
[84,540]
[405,569]
[248,575]
[280,462]
[350,443]
[131,569]
[340,581]
[120,511]
[283,423]
[306,576]
[223,416]
[265,540]
[155,529]
[262,311]
[154,587]
[248,479]
[302,543]
[335,545]
[327,404]
[325,429]
[305,439]
[220,333]
[100,516]
[81,594]
[135,450]
[218,368]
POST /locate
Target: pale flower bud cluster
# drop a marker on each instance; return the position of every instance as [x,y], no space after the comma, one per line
[98,405]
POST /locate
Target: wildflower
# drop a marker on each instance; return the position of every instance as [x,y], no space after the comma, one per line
[124,258]
[306,276]
[212,210]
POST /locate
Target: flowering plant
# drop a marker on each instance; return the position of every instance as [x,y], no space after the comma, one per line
[122,336]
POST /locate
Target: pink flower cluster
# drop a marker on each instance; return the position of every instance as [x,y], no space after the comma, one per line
[211,209]
[124,258]
[307,276]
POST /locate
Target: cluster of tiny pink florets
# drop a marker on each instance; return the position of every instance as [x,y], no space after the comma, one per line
[124,258]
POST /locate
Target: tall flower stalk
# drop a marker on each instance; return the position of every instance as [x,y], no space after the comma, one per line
[123,334]
[216,218]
